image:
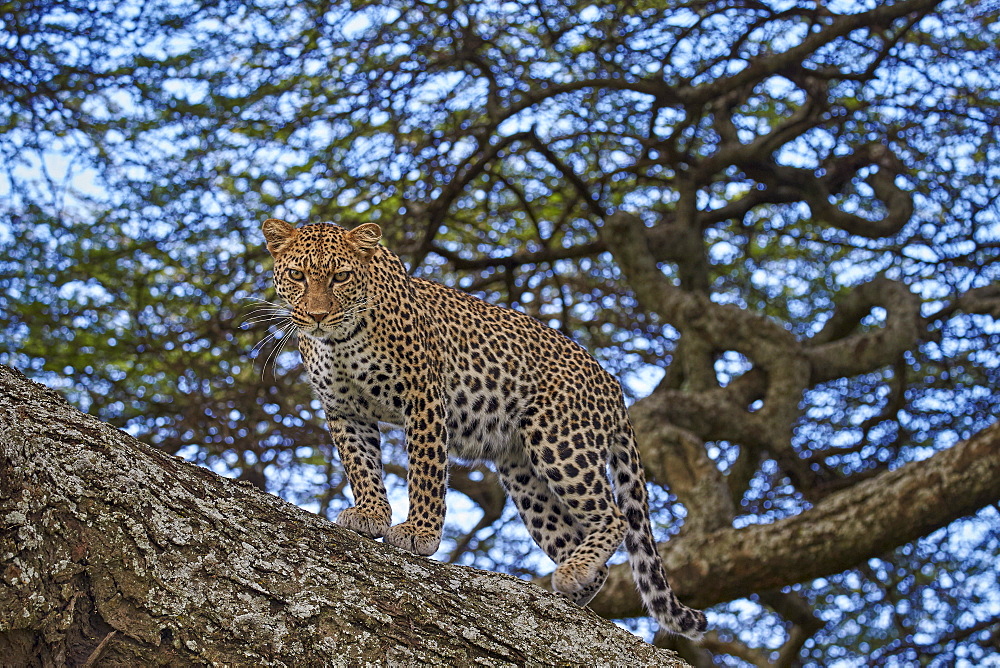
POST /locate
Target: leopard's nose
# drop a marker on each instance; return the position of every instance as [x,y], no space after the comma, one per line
[319,316]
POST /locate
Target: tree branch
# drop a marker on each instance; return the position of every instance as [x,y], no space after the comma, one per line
[115,550]
[721,326]
[520,258]
[840,531]
[835,352]
[882,15]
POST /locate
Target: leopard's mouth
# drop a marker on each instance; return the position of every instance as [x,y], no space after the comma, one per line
[328,324]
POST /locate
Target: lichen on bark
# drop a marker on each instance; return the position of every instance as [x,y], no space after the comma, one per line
[115,553]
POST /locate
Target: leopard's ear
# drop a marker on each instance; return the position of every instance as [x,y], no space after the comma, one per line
[278,235]
[364,238]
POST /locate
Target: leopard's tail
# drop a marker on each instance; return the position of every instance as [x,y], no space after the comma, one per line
[647,566]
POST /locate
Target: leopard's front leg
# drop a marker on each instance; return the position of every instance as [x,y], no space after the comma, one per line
[426,478]
[360,448]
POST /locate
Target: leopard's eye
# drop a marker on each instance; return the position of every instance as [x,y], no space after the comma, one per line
[295,275]
[341,276]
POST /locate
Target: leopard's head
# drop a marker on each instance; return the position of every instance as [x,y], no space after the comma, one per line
[321,270]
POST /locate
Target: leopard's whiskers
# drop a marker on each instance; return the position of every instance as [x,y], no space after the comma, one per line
[264,302]
[267,317]
[272,334]
[273,356]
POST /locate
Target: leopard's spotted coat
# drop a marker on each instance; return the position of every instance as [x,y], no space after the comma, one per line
[484,382]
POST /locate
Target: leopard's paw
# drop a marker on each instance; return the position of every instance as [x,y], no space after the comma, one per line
[422,540]
[572,577]
[588,592]
[367,522]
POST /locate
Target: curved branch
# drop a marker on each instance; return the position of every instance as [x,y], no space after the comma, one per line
[766,343]
[717,414]
[802,184]
[898,209]
[834,352]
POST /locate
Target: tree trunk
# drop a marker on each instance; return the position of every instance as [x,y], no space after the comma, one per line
[114,553]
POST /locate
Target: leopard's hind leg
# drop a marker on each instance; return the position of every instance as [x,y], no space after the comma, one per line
[549,521]
[568,452]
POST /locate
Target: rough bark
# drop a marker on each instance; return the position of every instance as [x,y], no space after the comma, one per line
[114,553]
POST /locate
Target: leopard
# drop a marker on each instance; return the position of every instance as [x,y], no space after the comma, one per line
[472,381]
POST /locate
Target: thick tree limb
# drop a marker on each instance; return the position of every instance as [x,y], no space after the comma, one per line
[836,351]
[984,300]
[717,327]
[789,366]
[118,554]
[678,458]
[837,533]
